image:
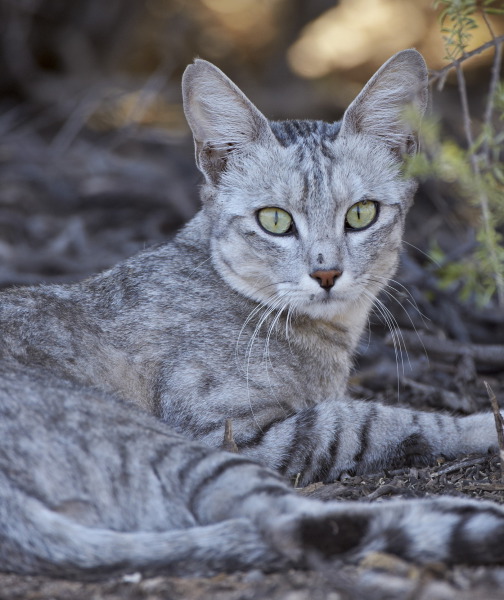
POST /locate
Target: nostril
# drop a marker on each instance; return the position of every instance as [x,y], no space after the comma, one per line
[326,279]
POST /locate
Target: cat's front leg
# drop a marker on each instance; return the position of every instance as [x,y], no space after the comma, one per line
[333,437]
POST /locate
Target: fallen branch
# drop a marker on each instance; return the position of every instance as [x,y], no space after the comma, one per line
[439,397]
[465,463]
[385,490]
[489,354]
[477,487]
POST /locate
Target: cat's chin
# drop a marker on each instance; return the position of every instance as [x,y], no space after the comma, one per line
[333,309]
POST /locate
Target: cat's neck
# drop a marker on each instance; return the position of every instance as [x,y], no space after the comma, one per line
[343,330]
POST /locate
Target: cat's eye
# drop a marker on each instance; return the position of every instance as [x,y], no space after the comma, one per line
[361,215]
[275,220]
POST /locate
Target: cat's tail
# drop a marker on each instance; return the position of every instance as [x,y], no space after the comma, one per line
[450,530]
[53,545]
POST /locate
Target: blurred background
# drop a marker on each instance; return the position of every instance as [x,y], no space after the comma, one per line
[96,159]
[96,163]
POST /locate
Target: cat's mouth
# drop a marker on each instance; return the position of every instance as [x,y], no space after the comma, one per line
[326,298]
[329,298]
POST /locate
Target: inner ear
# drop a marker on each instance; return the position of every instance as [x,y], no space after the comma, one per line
[213,160]
[222,118]
[411,144]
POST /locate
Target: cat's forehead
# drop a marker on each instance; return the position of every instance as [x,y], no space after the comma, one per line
[312,168]
[318,168]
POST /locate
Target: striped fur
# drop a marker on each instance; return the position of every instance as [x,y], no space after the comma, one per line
[225,322]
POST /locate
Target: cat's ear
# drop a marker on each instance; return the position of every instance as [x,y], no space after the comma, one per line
[380,109]
[222,118]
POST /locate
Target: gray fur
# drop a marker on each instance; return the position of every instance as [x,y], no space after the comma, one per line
[226,322]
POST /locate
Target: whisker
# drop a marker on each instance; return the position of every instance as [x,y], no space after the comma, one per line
[396,300]
[396,335]
[428,256]
[392,297]
[409,296]
[266,354]
[267,312]
[200,265]
[399,335]
[252,313]
[287,322]
[250,316]
[272,326]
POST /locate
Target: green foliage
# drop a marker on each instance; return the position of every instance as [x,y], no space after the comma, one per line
[475,275]
[457,22]
[477,172]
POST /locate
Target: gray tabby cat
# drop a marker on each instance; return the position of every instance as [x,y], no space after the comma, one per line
[252,314]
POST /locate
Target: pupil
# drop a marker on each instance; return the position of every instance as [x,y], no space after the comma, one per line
[358,212]
[276,218]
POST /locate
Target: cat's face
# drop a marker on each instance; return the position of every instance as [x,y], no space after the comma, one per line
[314,225]
[306,215]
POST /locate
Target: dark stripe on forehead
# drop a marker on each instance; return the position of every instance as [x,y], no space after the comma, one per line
[284,132]
[326,150]
[306,189]
[289,133]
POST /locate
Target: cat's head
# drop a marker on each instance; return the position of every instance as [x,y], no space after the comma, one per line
[306,214]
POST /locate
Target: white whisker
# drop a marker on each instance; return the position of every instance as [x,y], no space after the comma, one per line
[412,304]
[395,333]
[428,256]
[200,265]
[266,354]
[268,309]
[409,297]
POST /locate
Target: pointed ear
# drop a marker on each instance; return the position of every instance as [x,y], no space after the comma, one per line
[379,110]
[222,118]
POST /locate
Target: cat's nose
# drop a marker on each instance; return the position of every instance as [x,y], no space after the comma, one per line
[326,279]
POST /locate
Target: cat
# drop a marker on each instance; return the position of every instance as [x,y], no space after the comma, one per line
[249,316]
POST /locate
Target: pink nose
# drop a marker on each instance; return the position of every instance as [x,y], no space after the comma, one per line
[326,279]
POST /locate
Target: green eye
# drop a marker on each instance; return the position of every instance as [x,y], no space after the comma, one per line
[275,220]
[361,214]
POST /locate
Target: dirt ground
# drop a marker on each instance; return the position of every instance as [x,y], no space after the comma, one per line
[63,216]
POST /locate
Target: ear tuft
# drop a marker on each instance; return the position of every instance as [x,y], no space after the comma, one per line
[379,110]
[222,118]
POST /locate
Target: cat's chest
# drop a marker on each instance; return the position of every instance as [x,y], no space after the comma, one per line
[304,362]
[223,362]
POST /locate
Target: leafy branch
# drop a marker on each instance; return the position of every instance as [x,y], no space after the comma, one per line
[441,74]
[477,170]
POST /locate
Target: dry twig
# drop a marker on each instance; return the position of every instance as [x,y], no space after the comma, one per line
[442,73]
[229,444]
[494,81]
